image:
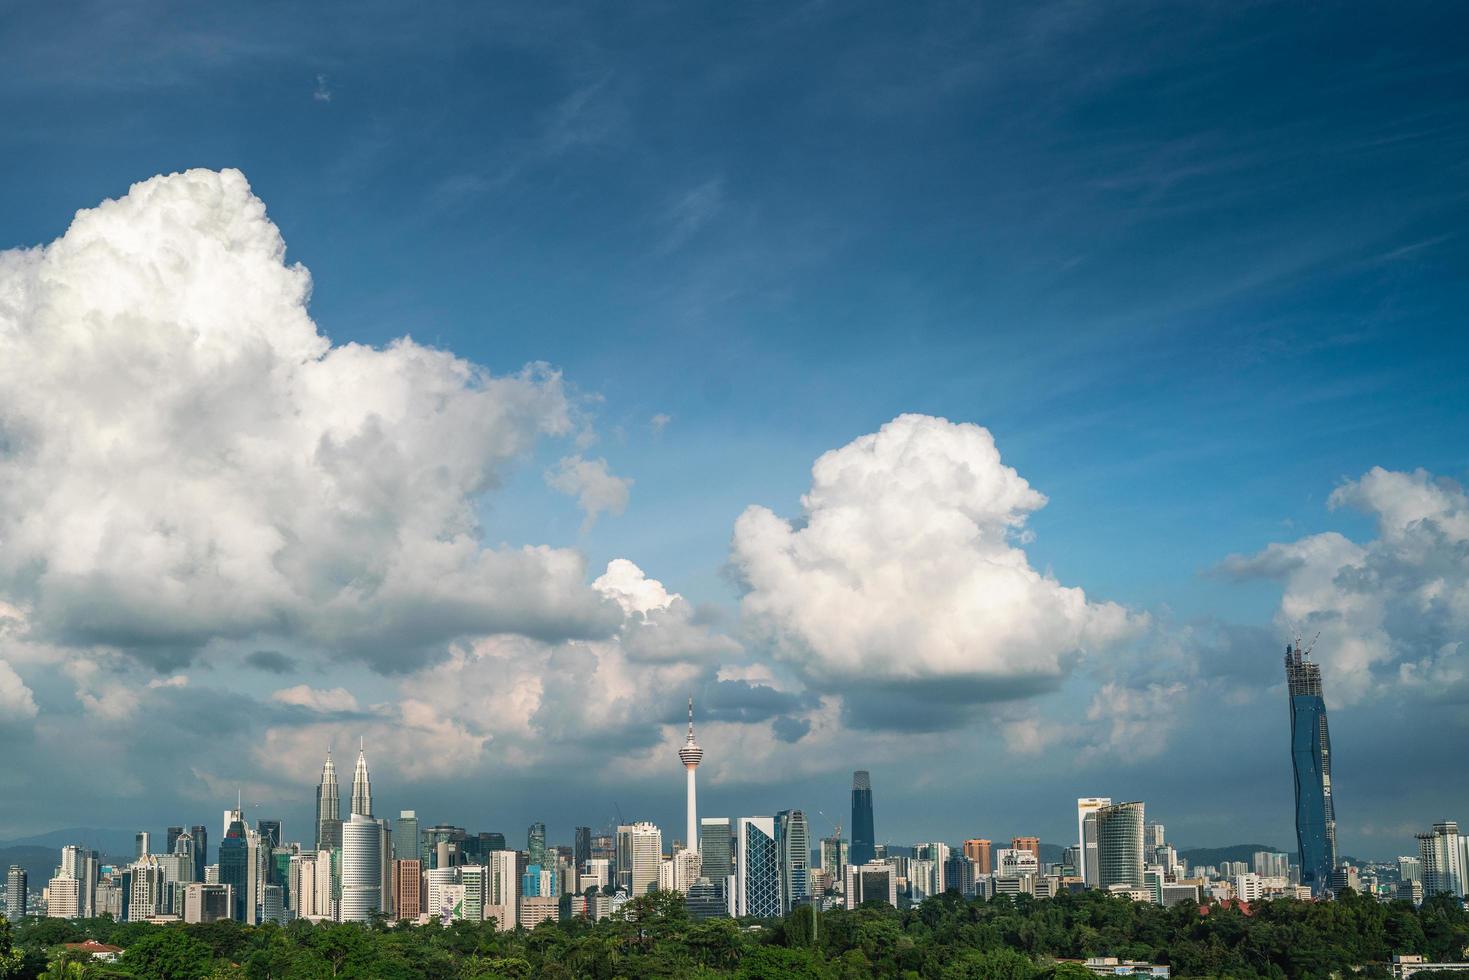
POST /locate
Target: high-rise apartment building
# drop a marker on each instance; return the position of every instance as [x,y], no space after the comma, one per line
[1120,845]
[362,870]
[1310,743]
[16,884]
[1086,833]
[977,850]
[1441,855]
[328,807]
[639,853]
[793,841]
[757,868]
[863,839]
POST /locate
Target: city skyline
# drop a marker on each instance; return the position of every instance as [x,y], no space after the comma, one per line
[972,396]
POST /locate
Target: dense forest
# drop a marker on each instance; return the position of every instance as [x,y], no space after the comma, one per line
[945,938]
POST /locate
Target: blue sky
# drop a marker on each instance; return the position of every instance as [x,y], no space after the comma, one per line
[1193,267]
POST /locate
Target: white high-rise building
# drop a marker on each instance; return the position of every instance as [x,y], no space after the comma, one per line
[1086,835]
[685,869]
[691,755]
[502,889]
[327,886]
[639,853]
[1441,853]
[362,872]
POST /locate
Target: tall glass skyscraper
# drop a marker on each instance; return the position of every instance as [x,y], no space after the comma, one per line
[863,840]
[793,839]
[757,868]
[535,843]
[1310,749]
[1120,845]
[328,806]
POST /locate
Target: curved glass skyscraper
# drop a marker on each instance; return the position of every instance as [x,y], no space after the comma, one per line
[1310,750]
[862,849]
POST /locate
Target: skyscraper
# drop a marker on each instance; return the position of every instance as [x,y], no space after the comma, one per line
[690,755]
[1086,836]
[581,851]
[1310,747]
[863,838]
[535,844]
[328,805]
[977,850]
[1120,845]
[1440,853]
[1031,844]
[793,840]
[141,844]
[171,836]
[200,834]
[234,868]
[362,870]
[270,833]
[639,853]
[757,868]
[406,844]
[16,883]
[361,785]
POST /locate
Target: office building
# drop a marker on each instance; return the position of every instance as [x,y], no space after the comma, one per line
[757,868]
[406,845]
[1441,860]
[690,755]
[1120,845]
[141,845]
[581,851]
[328,808]
[408,889]
[16,884]
[1270,864]
[1031,844]
[639,853]
[235,858]
[534,911]
[171,836]
[361,785]
[362,873]
[708,898]
[535,843]
[1086,833]
[873,882]
[199,834]
[716,847]
[207,903]
[863,839]
[834,855]
[977,850]
[793,841]
[269,832]
[1311,762]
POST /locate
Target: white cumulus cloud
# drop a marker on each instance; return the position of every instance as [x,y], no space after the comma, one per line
[906,566]
[1393,611]
[184,457]
[16,700]
[313,699]
[596,488]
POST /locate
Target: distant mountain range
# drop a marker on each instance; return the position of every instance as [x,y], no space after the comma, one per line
[106,841]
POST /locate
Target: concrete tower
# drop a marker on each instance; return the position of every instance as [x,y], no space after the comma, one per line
[690,755]
[361,785]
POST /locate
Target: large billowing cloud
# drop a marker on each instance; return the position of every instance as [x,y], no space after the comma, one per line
[907,568]
[1393,611]
[184,457]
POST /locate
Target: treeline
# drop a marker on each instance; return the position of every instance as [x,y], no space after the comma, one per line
[945,938]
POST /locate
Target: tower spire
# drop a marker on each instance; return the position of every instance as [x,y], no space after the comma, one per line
[361,783]
[691,755]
